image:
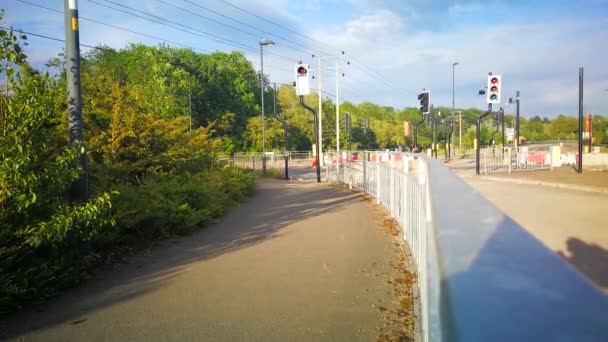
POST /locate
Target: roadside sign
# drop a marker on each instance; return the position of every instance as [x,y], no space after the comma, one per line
[510,131]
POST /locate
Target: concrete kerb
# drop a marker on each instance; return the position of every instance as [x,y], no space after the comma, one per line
[585,188]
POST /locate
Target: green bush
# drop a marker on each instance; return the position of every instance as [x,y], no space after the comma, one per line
[44,237]
[163,171]
[167,205]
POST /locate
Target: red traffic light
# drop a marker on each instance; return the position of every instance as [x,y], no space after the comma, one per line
[302,71]
[494,80]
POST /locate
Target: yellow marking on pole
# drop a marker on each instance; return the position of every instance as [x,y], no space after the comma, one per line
[475,143]
[74,24]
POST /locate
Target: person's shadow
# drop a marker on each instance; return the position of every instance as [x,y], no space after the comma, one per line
[589,259]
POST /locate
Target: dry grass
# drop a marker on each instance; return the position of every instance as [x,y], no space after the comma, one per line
[398,317]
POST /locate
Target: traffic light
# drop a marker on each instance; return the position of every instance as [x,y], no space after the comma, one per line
[347,122]
[494,89]
[496,119]
[302,82]
[425,100]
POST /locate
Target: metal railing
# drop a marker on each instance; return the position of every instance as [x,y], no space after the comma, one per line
[253,161]
[481,276]
[497,159]
[397,180]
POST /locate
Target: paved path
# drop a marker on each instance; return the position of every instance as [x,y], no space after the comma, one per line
[572,223]
[299,261]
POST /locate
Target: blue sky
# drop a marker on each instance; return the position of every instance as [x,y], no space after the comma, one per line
[395,47]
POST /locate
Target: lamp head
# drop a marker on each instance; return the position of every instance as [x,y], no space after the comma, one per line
[266,42]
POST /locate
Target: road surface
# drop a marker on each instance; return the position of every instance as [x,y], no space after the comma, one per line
[572,223]
[299,261]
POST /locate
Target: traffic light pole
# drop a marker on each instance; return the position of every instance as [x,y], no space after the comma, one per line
[478,137]
[580,120]
[433,134]
[517,118]
[416,133]
[502,121]
[348,129]
[494,140]
[447,138]
[314,113]
[450,137]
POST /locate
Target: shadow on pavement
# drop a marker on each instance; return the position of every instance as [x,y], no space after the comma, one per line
[590,259]
[274,206]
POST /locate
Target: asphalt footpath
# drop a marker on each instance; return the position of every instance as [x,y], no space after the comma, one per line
[298,261]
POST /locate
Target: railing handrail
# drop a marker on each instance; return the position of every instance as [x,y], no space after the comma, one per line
[485,278]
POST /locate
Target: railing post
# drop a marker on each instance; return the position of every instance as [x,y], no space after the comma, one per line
[510,159]
[392,183]
[377,180]
[365,187]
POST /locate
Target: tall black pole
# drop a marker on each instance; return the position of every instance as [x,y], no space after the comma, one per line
[451,142]
[80,189]
[432,115]
[517,118]
[190,102]
[286,145]
[262,86]
[580,120]
[453,83]
[452,139]
[415,137]
[451,126]
[314,113]
[350,132]
[446,138]
[478,137]
[416,132]
[502,122]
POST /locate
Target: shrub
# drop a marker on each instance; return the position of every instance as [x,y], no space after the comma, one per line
[167,205]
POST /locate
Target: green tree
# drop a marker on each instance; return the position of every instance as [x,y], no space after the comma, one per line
[562,127]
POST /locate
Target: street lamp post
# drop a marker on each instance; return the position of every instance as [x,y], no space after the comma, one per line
[453,98]
[517,119]
[263,42]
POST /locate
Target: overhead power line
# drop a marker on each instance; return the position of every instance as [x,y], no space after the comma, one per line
[214,37]
[53,38]
[274,23]
[120,28]
[101,48]
[364,67]
[240,22]
[184,28]
[315,89]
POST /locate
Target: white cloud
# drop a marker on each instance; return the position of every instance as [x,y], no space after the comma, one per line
[540,59]
[395,38]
